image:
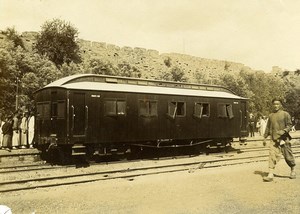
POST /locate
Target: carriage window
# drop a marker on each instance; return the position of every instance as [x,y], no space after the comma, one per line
[54,110]
[121,107]
[39,109]
[201,110]
[43,110]
[225,111]
[58,109]
[110,107]
[115,107]
[148,108]
[229,111]
[61,109]
[176,109]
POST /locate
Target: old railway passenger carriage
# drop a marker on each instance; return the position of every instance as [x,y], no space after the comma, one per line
[88,114]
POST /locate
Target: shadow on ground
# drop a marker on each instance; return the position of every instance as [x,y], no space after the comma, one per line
[261,173]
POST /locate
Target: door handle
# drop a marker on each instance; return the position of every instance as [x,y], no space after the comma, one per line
[241,113]
[73,117]
[86,117]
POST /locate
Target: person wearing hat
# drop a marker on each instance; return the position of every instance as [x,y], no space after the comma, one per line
[251,125]
[278,127]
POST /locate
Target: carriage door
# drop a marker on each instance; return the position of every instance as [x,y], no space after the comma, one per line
[78,116]
[243,111]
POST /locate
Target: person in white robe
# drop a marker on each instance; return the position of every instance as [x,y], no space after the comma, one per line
[31,129]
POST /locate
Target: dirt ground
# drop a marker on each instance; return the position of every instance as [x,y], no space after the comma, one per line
[229,189]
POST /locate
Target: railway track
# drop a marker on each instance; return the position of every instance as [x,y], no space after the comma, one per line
[41,177]
[34,159]
[46,166]
[38,163]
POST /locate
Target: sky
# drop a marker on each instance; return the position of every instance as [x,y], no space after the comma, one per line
[257,33]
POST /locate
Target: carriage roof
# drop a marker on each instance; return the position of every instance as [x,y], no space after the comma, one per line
[93,82]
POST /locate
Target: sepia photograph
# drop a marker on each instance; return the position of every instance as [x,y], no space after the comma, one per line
[139,106]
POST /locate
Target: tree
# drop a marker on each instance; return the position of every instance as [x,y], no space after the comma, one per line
[98,66]
[71,69]
[25,71]
[285,73]
[126,70]
[7,80]
[57,41]
[292,104]
[226,66]
[178,75]
[14,36]
[236,84]
[203,77]
[168,62]
[173,74]
[264,87]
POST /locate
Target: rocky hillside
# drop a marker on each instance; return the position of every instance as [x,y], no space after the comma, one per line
[151,63]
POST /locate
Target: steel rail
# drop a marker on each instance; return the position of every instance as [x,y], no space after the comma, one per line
[37,167]
[107,175]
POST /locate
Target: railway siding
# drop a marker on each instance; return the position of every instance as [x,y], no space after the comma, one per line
[51,176]
[27,156]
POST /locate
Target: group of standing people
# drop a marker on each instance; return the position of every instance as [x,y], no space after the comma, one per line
[17,130]
[259,125]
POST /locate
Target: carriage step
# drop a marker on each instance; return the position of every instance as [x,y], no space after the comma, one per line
[76,146]
[78,150]
[78,153]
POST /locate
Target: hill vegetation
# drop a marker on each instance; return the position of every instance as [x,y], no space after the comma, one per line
[31,60]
